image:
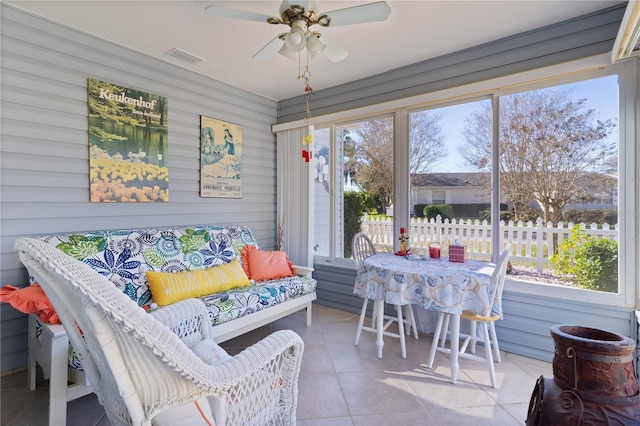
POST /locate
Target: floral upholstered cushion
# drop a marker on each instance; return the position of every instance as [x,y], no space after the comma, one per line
[124,256]
[239,302]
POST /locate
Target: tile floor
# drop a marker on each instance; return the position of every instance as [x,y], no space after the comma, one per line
[342,384]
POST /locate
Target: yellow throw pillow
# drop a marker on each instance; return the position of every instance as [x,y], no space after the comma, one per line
[171,287]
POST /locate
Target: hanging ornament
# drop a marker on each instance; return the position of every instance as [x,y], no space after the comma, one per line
[307,154]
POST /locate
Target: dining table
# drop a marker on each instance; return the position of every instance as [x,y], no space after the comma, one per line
[434,284]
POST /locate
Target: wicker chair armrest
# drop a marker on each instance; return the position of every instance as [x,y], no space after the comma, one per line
[260,384]
[188,319]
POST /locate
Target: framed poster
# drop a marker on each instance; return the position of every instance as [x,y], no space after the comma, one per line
[127,144]
[220,158]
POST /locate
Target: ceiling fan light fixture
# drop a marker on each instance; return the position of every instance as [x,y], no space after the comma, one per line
[301,15]
[296,39]
[314,45]
[288,53]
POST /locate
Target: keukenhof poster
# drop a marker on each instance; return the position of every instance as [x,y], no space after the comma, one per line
[127,144]
[220,159]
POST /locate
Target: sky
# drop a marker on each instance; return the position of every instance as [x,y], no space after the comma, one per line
[601,95]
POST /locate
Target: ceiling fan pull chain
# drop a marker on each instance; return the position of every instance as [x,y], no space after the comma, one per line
[308,91]
[305,76]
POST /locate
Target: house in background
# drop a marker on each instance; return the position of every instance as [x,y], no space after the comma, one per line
[450,188]
[471,192]
[601,193]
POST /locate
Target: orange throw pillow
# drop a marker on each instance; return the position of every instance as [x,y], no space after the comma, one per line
[267,265]
[30,299]
[244,257]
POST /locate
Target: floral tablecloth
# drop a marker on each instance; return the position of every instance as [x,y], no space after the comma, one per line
[434,284]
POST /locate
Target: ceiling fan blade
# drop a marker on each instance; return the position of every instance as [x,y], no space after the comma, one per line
[270,48]
[226,12]
[332,51]
[371,12]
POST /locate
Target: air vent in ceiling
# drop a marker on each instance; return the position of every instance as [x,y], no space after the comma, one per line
[183,56]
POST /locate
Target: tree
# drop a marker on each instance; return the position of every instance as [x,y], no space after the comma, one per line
[426,141]
[548,144]
[373,157]
[369,154]
[350,165]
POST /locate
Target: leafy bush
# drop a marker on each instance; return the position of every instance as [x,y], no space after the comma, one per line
[505,215]
[463,210]
[563,259]
[597,265]
[371,202]
[418,210]
[591,216]
[444,210]
[592,262]
[469,210]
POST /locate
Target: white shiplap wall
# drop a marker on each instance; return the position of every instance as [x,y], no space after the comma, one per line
[44,147]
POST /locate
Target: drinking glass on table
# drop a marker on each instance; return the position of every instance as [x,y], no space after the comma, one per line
[434,250]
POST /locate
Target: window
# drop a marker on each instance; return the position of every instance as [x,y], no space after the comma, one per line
[439,175]
[554,152]
[358,164]
[438,197]
[443,188]
[559,174]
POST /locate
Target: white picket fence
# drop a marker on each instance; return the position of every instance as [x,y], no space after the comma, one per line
[531,244]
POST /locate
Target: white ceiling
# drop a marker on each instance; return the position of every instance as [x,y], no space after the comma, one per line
[415,31]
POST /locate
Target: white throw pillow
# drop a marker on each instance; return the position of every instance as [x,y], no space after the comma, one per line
[210,352]
[196,413]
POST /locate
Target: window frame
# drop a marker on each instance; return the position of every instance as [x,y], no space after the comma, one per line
[336,184]
[627,287]
[629,294]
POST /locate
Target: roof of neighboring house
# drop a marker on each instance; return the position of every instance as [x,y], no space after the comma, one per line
[450,179]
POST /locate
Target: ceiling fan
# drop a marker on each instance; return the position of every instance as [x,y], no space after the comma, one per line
[300,15]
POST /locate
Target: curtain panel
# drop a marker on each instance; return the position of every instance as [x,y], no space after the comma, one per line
[295,196]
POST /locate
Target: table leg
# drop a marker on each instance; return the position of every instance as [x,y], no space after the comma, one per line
[403,345]
[379,307]
[455,346]
[436,337]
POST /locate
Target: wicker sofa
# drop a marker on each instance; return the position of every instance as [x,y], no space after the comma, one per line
[124,256]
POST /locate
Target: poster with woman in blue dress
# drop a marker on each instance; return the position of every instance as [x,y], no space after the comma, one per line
[220,158]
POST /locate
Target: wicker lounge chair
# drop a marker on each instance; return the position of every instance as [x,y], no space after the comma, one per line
[139,367]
